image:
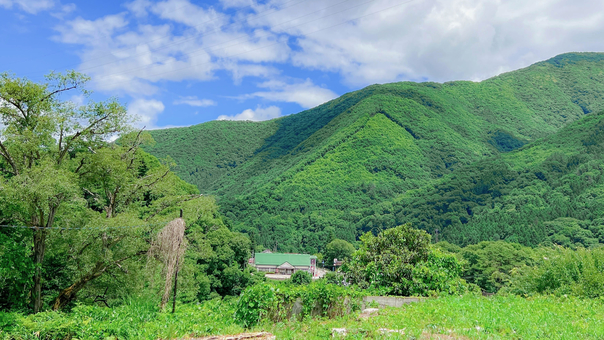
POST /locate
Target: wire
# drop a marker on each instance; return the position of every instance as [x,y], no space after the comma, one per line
[84,228]
[259,48]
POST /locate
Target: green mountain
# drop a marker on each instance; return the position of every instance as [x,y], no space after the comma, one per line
[550,191]
[296,182]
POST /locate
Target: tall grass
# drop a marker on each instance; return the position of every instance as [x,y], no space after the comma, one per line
[562,271]
[467,317]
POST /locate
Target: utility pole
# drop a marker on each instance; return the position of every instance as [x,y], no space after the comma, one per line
[176,275]
[436,236]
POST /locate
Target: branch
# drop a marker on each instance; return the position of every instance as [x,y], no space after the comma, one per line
[57,91]
[138,187]
[76,136]
[135,144]
[9,159]
[82,161]
[17,106]
[141,252]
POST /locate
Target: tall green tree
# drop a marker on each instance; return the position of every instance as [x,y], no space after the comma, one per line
[44,143]
[337,249]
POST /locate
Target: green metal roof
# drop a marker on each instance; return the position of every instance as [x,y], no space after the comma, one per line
[276,259]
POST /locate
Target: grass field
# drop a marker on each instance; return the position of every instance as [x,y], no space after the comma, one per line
[467,317]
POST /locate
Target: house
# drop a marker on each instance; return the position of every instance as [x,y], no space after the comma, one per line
[286,264]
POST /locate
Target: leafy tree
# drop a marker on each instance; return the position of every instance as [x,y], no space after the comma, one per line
[44,143]
[388,259]
[401,261]
[301,278]
[491,264]
[337,249]
[219,258]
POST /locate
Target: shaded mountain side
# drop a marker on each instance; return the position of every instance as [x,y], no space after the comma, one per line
[296,181]
[550,191]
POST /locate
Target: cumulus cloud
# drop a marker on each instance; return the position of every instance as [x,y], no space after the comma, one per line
[194,101]
[447,39]
[362,42]
[305,94]
[132,56]
[29,6]
[146,110]
[256,115]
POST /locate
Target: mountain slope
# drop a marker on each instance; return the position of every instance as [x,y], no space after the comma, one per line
[550,191]
[296,181]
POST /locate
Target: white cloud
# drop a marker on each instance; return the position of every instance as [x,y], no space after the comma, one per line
[259,114]
[305,94]
[146,110]
[194,101]
[138,7]
[446,39]
[64,10]
[29,6]
[389,40]
[184,12]
[122,58]
[90,32]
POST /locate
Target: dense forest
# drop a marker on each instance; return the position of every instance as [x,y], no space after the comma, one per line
[466,161]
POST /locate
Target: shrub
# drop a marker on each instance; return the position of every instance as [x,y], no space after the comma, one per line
[301,278]
[400,261]
[562,271]
[274,302]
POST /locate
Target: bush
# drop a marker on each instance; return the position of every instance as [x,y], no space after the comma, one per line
[400,261]
[562,271]
[272,302]
[301,278]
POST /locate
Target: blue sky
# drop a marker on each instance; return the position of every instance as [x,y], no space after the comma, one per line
[184,62]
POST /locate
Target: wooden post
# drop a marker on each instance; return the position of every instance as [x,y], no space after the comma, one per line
[175,283]
[176,276]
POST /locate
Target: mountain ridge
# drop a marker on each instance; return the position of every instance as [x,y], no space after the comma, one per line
[335,156]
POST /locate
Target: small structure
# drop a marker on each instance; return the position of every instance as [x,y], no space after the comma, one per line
[285,264]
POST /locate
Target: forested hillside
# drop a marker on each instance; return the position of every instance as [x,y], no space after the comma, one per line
[334,171]
[548,192]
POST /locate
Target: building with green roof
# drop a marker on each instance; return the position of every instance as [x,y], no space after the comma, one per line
[286,264]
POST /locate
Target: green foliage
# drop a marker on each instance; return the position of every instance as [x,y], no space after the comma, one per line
[93,206]
[374,158]
[548,192]
[400,261]
[491,264]
[301,278]
[272,302]
[337,249]
[137,318]
[467,317]
[562,271]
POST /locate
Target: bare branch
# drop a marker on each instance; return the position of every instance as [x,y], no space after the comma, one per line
[77,136]
[57,91]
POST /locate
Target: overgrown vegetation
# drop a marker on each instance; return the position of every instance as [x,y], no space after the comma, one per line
[501,317]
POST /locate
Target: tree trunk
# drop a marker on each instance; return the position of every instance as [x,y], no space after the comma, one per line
[40,233]
[39,250]
[69,293]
